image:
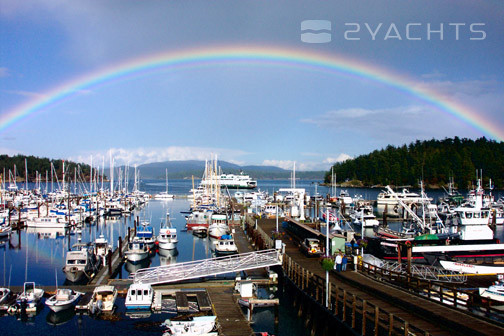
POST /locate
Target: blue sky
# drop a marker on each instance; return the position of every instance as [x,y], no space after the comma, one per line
[246,113]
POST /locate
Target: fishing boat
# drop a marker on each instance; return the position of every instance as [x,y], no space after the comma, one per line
[103,299]
[167,238]
[198,218]
[30,297]
[80,261]
[145,233]
[494,292]
[365,217]
[63,299]
[388,201]
[225,246]
[219,226]
[139,296]
[198,325]
[137,250]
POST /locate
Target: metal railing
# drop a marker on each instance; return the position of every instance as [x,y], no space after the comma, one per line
[208,267]
[424,272]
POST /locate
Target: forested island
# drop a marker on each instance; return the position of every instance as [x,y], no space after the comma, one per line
[38,165]
[433,161]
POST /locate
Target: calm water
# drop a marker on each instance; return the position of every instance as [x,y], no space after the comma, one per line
[39,255]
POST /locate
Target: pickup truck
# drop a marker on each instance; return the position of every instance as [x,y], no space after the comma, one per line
[311,247]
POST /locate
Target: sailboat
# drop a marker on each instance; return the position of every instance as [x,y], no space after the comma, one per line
[164,195]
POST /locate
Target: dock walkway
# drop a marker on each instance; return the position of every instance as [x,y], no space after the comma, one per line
[107,272]
[434,318]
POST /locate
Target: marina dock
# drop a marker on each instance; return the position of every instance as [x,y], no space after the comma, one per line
[414,312]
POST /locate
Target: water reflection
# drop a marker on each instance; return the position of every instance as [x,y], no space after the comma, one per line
[59,318]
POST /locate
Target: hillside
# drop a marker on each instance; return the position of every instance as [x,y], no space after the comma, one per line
[36,164]
[186,169]
[435,160]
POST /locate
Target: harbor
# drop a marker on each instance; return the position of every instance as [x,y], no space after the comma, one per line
[247,262]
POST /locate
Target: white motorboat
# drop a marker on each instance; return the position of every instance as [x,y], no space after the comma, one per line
[365,217]
[5,230]
[63,299]
[225,246]
[390,200]
[198,325]
[80,262]
[470,268]
[30,297]
[139,296]
[494,292]
[103,299]
[137,250]
[51,221]
[167,238]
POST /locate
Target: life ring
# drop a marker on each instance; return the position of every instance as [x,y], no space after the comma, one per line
[407,243]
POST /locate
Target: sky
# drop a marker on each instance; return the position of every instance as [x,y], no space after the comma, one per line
[249,111]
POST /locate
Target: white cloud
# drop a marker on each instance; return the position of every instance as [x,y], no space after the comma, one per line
[306,165]
[141,155]
[340,158]
[22,93]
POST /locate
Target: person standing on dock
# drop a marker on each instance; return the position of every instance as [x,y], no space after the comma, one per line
[344,262]
[339,260]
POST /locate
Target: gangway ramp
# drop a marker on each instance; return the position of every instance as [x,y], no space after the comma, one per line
[207,267]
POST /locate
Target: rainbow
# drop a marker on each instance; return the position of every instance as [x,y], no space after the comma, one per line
[262,55]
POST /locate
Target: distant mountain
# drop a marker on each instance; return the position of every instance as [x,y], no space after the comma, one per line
[189,168]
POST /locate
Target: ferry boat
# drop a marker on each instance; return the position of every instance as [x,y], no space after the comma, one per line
[63,299]
[139,296]
[232,181]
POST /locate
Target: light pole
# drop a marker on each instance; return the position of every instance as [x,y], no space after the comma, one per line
[327,255]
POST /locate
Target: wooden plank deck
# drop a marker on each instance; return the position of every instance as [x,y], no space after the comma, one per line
[103,274]
[229,315]
[432,317]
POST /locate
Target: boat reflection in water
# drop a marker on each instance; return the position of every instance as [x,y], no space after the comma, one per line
[134,267]
[167,257]
[59,318]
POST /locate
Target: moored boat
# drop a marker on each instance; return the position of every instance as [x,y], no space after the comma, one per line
[63,299]
[103,299]
[137,250]
[139,296]
[198,325]
[30,297]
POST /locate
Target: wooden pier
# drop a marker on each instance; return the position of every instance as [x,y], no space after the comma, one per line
[369,306]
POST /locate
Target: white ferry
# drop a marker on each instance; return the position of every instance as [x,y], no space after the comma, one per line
[233,181]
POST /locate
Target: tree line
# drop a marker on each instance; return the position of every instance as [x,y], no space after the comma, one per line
[41,165]
[433,161]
